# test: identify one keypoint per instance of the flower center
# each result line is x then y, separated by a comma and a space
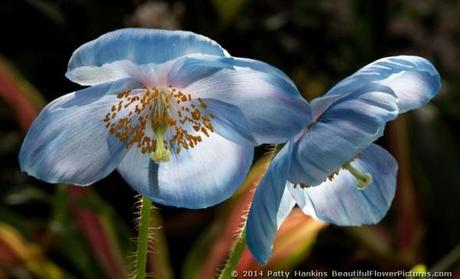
159, 121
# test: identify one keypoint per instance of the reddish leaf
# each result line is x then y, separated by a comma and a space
291, 246
26, 101
409, 222
239, 207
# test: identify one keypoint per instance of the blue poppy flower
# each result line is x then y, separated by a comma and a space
172, 111
331, 169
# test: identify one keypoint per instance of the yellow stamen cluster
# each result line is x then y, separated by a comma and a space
167, 115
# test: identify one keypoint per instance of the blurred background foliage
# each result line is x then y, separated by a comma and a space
56, 231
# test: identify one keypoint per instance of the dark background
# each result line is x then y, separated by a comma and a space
317, 43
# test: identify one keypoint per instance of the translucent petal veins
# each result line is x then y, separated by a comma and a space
151, 115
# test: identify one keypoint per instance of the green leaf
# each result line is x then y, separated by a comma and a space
50, 9
29, 254
193, 264
70, 241
228, 9
30, 193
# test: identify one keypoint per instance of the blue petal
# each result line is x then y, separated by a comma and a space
256, 88
271, 205
194, 67
69, 143
102, 56
229, 122
199, 177
414, 80
340, 202
344, 126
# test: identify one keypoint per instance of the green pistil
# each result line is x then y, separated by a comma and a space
160, 115
362, 179
161, 153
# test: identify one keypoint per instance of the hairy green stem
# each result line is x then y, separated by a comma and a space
235, 255
143, 238
229, 270
240, 242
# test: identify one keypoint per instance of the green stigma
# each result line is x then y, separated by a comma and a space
363, 179
161, 153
